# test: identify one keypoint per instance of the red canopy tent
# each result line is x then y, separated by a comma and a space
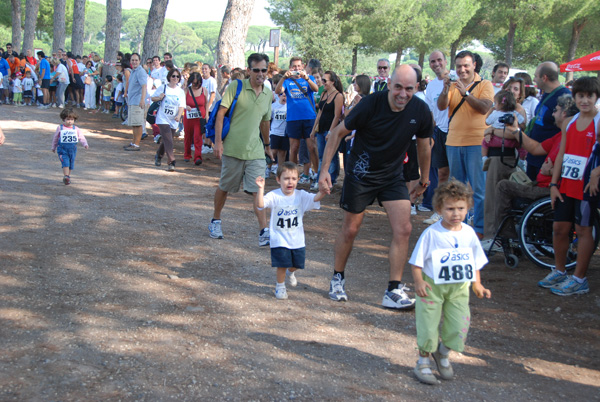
591, 62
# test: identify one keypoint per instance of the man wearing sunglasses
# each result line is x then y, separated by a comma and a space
381, 82
242, 152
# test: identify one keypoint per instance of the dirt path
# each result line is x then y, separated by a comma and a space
111, 289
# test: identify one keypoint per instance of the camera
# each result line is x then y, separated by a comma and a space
508, 119
452, 76
295, 72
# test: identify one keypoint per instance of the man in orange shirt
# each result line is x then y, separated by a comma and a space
468, 99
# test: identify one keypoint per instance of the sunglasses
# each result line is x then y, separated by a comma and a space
382, 67
516, 79
259, 70
176, 76
324, 80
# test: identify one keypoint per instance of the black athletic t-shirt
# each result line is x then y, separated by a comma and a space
383, 136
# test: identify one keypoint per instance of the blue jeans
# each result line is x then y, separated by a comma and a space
334, 167
465, 166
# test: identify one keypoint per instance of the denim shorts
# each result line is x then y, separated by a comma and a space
299, 129
282, 257
66, 154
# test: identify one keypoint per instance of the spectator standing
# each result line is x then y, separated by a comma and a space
381, 82
468, 100
499, 74
542, 126
44, 79
194, 118
136, 101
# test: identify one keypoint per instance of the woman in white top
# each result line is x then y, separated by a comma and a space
531, 101
62, 76
90, 87
172, 105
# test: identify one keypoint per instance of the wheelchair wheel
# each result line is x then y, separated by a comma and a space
511, 261
535, 235
123, 112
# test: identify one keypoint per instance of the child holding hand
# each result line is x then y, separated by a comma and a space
288, 206
446, 259
65, 140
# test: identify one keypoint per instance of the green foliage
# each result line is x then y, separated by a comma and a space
6, 15
95, 20
45, 21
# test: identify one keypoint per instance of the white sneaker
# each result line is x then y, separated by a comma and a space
274, 168
292, 278
281, 293
433, 219
413, 210
267, 173
423, 208
397, 299
486, 244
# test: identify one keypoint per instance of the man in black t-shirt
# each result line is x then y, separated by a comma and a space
384, 122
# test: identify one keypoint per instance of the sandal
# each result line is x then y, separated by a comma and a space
446, 372
427, 378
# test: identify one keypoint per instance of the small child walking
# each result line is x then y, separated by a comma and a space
17, 89
106, 93
65, 141
288, 206
118, 96
446, 259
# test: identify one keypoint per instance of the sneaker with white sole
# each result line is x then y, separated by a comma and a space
214, 229
413, 210
554, 278
432, 219
423, 208
314, 186
304, 179
267, 173
274, 168
292, 279
281, 293
397, 299
264, 238
496, 246
336, 288
571, 287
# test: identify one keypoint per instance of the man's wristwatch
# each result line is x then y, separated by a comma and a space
553, 185
467, 93
267, 145
425, 184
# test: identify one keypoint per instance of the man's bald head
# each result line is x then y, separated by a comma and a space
405, 71
549, 69
402, 86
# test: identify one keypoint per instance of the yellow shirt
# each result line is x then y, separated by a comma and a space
467, 125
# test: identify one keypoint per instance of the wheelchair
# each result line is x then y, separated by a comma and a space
532, 220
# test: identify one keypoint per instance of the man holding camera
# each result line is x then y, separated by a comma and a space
468, 99
299, 88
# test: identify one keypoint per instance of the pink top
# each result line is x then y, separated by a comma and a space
56, 136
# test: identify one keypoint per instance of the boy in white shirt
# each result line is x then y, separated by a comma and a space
286, 229
28, 85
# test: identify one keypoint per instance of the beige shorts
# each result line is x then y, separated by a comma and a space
135, 116
234, 171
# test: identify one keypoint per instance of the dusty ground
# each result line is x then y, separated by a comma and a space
111, 289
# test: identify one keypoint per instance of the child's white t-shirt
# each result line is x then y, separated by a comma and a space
119, 92
17, 86
286, 227
27, 84
437, 238
278, 114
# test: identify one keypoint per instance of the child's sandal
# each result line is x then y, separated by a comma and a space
427, 378
446, 372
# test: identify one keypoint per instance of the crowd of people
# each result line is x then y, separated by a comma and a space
447, 146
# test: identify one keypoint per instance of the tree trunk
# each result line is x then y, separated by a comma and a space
16, 25
453, 50
354, 59
399, 55
234, 30
578, 26
112, 33
510, 42
59, 32
31, 11
78, 24
421, 59
154, 28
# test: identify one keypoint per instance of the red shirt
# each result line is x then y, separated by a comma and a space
552, 146
201, 100
579, 145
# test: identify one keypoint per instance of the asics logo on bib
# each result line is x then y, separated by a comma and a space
572, 161
287, 213
454, 257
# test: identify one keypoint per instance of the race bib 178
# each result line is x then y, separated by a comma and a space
573, 167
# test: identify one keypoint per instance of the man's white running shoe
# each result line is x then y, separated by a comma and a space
432, 219
215, 229
413, 210
397, 299
336, 288
495, 247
